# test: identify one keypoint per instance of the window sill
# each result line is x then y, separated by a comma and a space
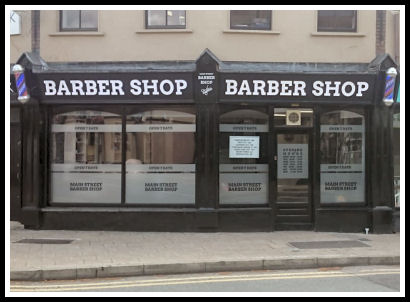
164, 31
251, 31
337, 34
76, 33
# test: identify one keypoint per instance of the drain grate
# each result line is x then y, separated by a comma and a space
328, 244
363, 239
45, 241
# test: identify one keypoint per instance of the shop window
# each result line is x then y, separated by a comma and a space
293, 117
243, 157
165, 19
78, 20
342, 153
86, 157
251, 19
336, 21
160, 157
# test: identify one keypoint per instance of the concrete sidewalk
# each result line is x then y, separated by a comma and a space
93, 254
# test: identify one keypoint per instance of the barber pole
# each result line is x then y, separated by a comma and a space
389, 86
18, 72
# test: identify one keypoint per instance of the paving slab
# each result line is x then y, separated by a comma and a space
92, 254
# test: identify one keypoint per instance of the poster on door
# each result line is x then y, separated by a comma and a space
293, 161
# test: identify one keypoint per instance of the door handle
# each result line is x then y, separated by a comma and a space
275, 157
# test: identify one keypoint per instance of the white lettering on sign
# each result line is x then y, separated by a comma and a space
231, 87
154, 87
335, 88
294, 88
113, 87
91, 87
299, 88
77, 87
88, 87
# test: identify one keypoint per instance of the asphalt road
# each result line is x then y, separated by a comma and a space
332, 279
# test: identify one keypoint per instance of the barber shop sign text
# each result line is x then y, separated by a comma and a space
301, 87
116, 86
295, 88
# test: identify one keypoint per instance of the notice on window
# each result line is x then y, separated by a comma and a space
160, 184
81, 183
293, 161
161, 188
244, 147
342, 187
243, 128
243, 188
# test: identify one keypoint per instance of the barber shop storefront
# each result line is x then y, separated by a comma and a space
204, 146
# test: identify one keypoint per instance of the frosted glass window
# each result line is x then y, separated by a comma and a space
243, 157
342, 153
86, 157
160, 160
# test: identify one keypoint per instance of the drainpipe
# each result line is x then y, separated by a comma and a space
396, 16
35, 34
380, 32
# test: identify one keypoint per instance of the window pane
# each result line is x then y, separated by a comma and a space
250, 19
70, 19
243, 157
342, 152
156, 18
86, 157
341, 20
161, 157
176, 17
89, 19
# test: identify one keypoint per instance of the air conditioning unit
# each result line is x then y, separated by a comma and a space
293, 118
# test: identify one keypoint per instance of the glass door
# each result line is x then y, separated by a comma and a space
293, 177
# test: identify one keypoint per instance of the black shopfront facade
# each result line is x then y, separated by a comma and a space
204, 146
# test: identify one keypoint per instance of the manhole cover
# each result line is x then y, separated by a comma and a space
328, 244
45, 241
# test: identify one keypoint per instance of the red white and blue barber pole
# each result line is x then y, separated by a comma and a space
388, 98
18, 72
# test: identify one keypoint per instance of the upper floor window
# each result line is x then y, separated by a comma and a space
337, 20
78, 20
165, 19
251, 19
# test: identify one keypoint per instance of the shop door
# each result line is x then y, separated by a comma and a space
293, 202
